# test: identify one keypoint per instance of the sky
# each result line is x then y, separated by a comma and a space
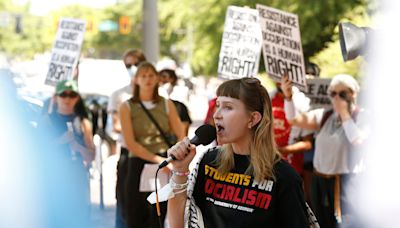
42, 7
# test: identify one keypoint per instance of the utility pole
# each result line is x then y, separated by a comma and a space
151, 40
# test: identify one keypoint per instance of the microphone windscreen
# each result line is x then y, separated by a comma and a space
205, 134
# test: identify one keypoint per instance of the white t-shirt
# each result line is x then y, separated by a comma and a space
334, 153
178, 93
302, 104
116, 99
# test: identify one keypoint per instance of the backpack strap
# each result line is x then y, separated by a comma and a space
325, 117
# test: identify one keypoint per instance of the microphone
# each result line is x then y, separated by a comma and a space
204, 135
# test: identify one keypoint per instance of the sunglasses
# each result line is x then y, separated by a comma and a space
250, 80
69, 95
342, 94
129, 65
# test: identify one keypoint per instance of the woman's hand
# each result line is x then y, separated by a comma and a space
341, 107
184, 153
286, 86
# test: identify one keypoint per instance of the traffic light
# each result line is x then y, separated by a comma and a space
125, 25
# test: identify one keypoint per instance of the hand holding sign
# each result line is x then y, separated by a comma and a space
286, 86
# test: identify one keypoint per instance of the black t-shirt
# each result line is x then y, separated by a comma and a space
182, 112
236, 200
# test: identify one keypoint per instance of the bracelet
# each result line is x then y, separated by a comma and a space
181, 174
180, 191
176, 186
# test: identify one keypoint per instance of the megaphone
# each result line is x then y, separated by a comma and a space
353, 40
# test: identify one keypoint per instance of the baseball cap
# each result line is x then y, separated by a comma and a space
66, 85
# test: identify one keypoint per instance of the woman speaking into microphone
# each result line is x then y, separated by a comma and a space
243, 183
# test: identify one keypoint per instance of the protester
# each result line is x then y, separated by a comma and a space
292, 142
131, 59
70, 122
335, 162
172, 87
70, 134
41, 185
169, 79
244, 183
145, 142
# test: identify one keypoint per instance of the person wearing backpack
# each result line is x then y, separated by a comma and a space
336, 162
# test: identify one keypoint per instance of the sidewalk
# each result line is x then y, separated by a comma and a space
104, 218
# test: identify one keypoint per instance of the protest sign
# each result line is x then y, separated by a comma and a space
241, 44
66, 50
317, 91
282, 50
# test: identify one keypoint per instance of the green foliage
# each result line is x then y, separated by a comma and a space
75, 12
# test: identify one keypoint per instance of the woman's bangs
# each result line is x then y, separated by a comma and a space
229, 89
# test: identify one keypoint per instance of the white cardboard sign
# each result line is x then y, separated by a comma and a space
317, 91
282, 49
241, 44
66, 50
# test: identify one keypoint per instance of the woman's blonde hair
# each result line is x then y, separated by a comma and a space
263, 151
136, 90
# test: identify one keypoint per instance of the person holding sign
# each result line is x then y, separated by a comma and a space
145, 119
292, 141
336, 163
245, 182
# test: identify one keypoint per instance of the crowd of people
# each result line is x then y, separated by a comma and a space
275, 161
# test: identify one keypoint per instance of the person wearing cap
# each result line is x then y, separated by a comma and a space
336, 162
69, 134
71, 116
